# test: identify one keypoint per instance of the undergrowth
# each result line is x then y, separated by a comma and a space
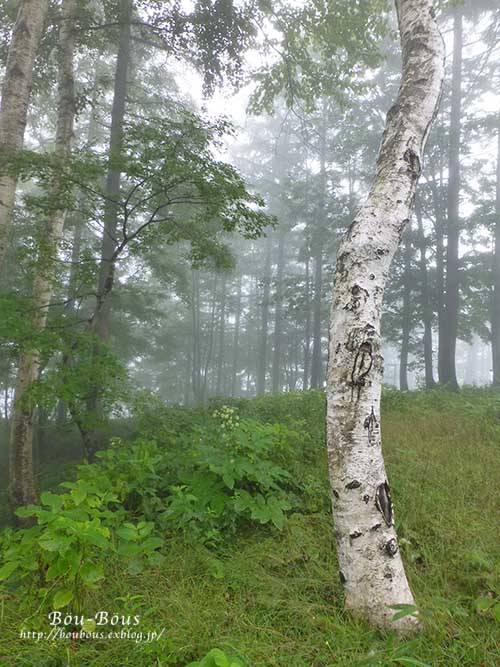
235, 588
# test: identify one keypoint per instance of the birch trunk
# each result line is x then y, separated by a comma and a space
21, 441
15, 100
370, 564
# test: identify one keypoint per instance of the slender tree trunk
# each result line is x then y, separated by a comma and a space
495, 312
109, 240
307, 329
277, 371
370, 563
16, 91
437, 190
221, 337
100, 320
236, 340
426, 303
440, 295
318, 240
196, 356
210, 347
472, 363
21, 441
449, 374
264, 325
76, 248
406, 328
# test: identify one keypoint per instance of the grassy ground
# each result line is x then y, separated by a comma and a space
274, 599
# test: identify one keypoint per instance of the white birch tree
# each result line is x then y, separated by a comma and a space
16, 91
22, 489
371, 568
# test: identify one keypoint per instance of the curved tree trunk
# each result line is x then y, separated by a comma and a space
21, 442
370, 563
15, 100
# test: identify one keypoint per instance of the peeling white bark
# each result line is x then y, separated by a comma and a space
369, 559
15, 99
21, 442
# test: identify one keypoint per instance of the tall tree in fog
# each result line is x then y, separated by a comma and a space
369, 559
447, 351
426, 300
318, 240
16, 90
100, 319
21, 443
495, 306
406, 312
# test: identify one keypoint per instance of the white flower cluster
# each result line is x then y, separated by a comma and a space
227, 416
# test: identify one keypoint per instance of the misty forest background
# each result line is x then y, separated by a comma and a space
220, 150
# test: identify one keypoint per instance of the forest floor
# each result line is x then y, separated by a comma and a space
272, 598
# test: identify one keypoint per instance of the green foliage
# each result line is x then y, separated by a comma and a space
325, 48
217, 658
231, 475
207, 481
173, 187
61, 556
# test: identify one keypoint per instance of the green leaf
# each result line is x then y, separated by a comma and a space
91, 573
496, 612
78, 496
89, 625
152, 543
483, 603
127, 533
218, 657
404, 610
62, 598
59, 567
25, 512
7, 569
51, 500
135, 567
94, 537
54, 542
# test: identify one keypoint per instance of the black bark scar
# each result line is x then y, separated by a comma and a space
413, 161
391, 547
363, 362
384, 503
372, 425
